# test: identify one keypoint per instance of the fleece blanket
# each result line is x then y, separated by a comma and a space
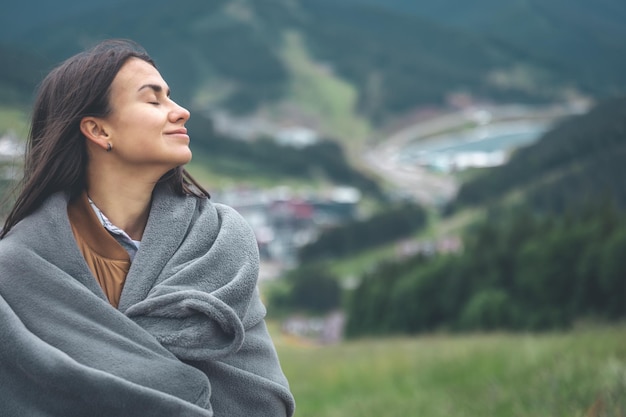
188, 339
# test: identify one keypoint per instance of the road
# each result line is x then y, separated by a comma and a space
417, 182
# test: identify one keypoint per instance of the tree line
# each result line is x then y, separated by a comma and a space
518, 270
388, 225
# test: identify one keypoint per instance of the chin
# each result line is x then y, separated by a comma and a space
182, 159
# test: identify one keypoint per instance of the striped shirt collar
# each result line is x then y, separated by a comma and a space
132, 246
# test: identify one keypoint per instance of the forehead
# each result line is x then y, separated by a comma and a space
134, 74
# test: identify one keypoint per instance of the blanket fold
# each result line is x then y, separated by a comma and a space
191, 324
189, 310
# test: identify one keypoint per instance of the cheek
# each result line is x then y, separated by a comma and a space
139, 127
154, 122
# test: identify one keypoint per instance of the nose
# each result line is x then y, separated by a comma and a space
179, 113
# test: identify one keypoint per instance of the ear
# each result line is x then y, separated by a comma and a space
94, 130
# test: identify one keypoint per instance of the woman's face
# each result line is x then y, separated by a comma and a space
146, 128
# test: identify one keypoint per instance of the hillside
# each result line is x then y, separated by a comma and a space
232, 53
582, 39
578, 162
543, 247
546, 248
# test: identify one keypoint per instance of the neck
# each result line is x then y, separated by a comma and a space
122, 191
125, 203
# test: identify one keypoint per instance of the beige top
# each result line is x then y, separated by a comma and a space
107, 259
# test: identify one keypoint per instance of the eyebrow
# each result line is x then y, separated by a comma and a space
155, 87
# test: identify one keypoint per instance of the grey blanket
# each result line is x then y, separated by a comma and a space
189, 338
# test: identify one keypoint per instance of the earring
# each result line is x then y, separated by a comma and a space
109, 147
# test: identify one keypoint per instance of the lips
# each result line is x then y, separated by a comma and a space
181, 131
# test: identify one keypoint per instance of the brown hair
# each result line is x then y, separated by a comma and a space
56, 150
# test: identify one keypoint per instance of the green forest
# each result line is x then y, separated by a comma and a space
518, 271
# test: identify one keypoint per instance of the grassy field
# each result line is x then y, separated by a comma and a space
577, 373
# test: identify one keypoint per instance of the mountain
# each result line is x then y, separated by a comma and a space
238, 54
584, 40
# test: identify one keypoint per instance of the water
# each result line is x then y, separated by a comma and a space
484, 146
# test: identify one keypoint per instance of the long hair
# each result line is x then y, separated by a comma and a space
56, 150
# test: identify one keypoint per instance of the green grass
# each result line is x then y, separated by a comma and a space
578, 373
318, 91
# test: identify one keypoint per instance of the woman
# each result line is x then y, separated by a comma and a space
123, 289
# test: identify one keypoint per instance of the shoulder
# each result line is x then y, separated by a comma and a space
40, 237
41, 230
230, 221
12, 249
233, 233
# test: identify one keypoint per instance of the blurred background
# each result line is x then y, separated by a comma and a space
437, 188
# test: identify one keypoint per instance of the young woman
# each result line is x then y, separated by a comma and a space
123, 290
